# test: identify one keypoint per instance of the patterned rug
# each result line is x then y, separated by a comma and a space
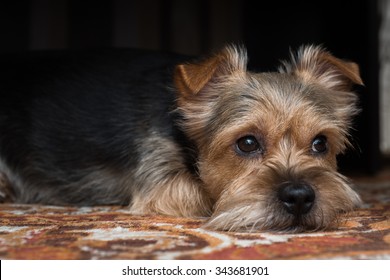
46, 232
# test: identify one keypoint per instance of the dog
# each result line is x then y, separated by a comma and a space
189, 138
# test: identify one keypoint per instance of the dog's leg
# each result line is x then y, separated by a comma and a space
6, 193
164, 184
177, 195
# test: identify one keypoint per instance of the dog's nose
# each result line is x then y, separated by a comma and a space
297, 198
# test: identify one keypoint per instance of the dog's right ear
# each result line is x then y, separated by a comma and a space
190, 79
314, 64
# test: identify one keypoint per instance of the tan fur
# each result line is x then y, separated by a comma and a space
191, 78
221, 101
247, 151
6, 194
164, 185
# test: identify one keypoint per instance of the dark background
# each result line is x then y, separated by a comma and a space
349, 29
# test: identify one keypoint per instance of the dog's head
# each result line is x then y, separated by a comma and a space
268, 142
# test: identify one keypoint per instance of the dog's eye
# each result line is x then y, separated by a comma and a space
248, 145
319, 145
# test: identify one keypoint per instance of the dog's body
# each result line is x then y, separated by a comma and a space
194, 140
76, 127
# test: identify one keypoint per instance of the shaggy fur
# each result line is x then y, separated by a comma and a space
203, 139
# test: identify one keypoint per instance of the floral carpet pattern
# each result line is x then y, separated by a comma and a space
47, 232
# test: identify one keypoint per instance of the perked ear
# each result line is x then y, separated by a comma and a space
190, 79
315, 65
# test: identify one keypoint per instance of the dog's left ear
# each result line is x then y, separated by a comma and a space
190, 79
315, 65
